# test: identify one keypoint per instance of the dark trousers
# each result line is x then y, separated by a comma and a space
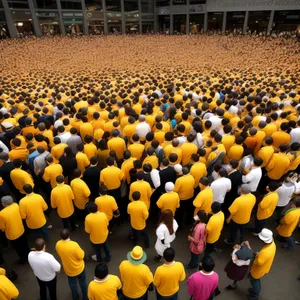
160, 297
185, 212
80, 213
255, 288
279, 213
50, 285
209, 248
70, 221
136, 236
81, 278
40, 232
106, 249
194, 262
21, 246
144, 297
234, 228
260, 224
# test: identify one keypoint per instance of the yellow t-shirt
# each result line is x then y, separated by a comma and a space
138, 214
90, 150
152, 160
81, 192
58, 150
267, 206
203, 200
111, 177
62, 198
136, 150
145, 190
184, 186
277, 166
82, 161
19, 178
118, 145
51, 172
107, 204
280, 137
167, 278
263, 261
169, 200
129, 131
235, 152
32, 209
86, 129
198, 170
241, 208
96, 225
105, 289
170, 149
265, 153
11, 222
289, 222
127, 165
214, 227
187, 150
136, 279
8, 290
71, 256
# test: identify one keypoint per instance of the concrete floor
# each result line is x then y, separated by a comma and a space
280, 283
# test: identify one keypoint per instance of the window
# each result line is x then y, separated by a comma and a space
196, 23
179, 2
46, 4
197, 1
162, 2
18, 3
215, 21
131, 5
258, 21
70, 4
286, 20
235, 21
113, 5
148, 6
179, 24
94, 5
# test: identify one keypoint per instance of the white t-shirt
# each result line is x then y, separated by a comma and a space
295, 135
220, 187
44, 265
285, 193
142, 129
253, 178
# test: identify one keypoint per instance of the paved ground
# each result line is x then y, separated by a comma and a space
281, 283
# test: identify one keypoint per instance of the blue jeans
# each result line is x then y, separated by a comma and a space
137, 233
106, 249
40, 232
256, 288
290, 242
195, 260
172, 297
234, 228
73, 286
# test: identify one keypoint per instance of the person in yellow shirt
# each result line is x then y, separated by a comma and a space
204, 199
281, 137
236, 151
58, 149
143, 187
11, 223
105, 286
8, 290
62, 198
138, 213
117, 144
32, 208
129, 129
169, 200
289, 223
174, 148
168, 276
136, 277
127, 165
96, 225
81, 158
214, 228
19, 151
266, 207
89, 149
266, 152
188, 149
136, 148
108, 205
151, 158
19, 178
240, 213
198, 170
52, 171
262, 263
86, 128
184, 186
72, 258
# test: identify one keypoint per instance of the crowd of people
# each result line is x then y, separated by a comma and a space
159, 132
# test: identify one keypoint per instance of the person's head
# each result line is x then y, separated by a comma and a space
92, 207
101, 271
201, 217
245, 189
110, 161
167, 218
140, 175
60, 179
77, 173
175, 143
17, 163
234, 163
65, 234
266, 235
27, 188
284, 148
80, 147
258, 161
296, 202
169, 187
268, 140
103, 190
7, 201
216, 207
93, 161
185, 170
127, 154
136, 196
272, 186
207, 264
203, 183
222, 172
173, 157
169, 255
39, 244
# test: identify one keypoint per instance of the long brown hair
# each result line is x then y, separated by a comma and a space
167, 218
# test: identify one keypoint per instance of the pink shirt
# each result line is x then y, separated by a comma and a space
201, 285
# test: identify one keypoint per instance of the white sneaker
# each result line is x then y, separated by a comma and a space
94, 257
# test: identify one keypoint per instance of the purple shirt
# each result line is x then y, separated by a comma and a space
201, 285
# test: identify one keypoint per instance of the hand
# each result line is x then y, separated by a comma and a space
190, 239
228, 220
246, 243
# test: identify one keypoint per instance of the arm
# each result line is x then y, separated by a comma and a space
55, 265
79, 253
53, 200
264, 203
155, 179
87, 227
44, 205
156, 280
191, 286
247, 178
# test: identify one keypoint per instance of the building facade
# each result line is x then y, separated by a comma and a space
76, 17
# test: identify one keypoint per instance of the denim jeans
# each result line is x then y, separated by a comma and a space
256, 288
259, 225
81, 278
106, 249
234, 228
290, 242
209, 248
136, 235
70, 220
40, 232
172, 297
195, 260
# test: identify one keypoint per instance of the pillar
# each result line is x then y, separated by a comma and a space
104, 16
187, 29
85, 21
140, 15
123, 17
9, 20
205, 21
60, 18
224, 21
246, 22
35, 22
270, 25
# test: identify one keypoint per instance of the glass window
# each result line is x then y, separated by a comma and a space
162, 2
196, 23
235, 21
1, 5
147, 27
197, 1
164, 24
179, 2
96, 27
94, 5
131, 5
179, 24
49, 23
114, 25
113, 5
70, 4
73, 26
286, 20
18, 3
47, 4
23, 22
148, 6
3, 26
258, 21
214, 21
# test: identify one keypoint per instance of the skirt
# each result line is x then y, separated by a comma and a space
235, 272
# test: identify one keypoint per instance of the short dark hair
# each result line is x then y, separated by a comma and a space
110, 161
258, 161
39, 244
273, 186
204, 181
92, 207
17, 163
140, 175
136, 195
65, 234
169, 254
208, 264
28, 188
101, 271
216, 207
234, 163
103, 189
60, 179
